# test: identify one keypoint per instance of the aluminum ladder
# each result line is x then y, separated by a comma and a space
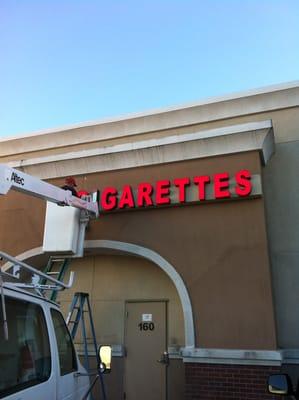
81, 305
57, 267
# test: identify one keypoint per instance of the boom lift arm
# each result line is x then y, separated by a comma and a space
11, 178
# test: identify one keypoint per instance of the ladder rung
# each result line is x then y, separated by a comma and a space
53, 273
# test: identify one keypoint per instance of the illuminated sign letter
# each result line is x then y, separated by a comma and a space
162, 192
221, 185
201, 181
127, 199
109, 198
181, 183
243, 181
145, 191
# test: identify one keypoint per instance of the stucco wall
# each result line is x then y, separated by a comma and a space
219, 249
191, 237
281, 185
112, 280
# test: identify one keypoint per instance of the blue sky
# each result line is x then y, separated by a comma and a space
64, 62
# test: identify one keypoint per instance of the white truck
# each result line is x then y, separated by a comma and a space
38, 360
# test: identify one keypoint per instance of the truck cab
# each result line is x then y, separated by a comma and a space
38, 360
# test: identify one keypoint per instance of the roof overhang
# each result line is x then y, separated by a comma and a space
253, 136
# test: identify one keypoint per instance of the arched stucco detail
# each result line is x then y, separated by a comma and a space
154, 257
166, 267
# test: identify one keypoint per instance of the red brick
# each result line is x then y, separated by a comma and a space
224, 382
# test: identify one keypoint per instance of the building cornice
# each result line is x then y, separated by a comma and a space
253, 136
213, 109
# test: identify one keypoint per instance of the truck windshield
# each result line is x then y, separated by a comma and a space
25, 359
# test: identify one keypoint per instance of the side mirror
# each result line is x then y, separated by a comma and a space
105, 355
280, 384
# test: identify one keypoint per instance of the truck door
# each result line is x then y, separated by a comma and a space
69, 386
25, 358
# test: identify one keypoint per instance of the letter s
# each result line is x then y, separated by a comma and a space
243, 183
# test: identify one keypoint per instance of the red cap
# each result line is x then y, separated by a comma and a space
70, 181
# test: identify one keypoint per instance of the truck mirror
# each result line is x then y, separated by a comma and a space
280, 384
105, 354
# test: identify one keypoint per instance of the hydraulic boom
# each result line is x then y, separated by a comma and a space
11, 178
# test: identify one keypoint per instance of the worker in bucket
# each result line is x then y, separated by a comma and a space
70, 184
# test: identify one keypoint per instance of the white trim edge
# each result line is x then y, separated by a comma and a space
145, 144
253, 136
241, 357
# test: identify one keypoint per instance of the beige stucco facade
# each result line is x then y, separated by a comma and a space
221, 303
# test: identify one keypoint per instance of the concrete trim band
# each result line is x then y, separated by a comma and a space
235, 357
253, 136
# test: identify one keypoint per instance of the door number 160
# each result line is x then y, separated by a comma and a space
146, 326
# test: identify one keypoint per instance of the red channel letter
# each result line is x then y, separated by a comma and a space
221, 185
181, 183
109, 198
126, 199
162, 192
145, 191
201, 181
243, 181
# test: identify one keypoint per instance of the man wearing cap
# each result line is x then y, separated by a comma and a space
70, 184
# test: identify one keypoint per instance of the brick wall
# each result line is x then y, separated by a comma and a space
223, 382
